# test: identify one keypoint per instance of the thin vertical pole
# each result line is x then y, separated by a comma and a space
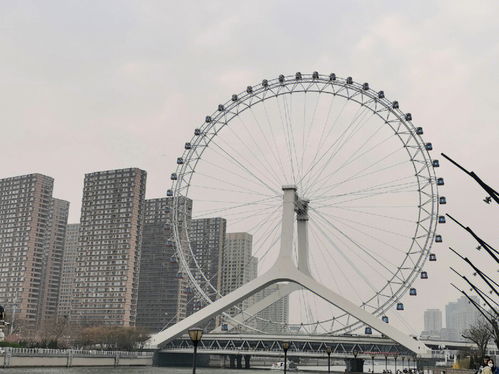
285, 360
329, 363
194, 358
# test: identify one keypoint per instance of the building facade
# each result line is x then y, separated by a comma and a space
29, 264
68, 270
163, 290
459, 316
109, 244
53, 259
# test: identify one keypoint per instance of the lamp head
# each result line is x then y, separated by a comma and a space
196, 333
285, 346
328, 350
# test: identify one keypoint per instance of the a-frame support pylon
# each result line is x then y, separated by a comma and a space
285, 270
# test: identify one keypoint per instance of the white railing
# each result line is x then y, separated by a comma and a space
45, 352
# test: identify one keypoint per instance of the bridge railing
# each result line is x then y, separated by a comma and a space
47, 352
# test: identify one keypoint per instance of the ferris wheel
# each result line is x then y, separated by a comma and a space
358, 161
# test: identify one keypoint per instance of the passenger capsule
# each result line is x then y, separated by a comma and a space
385, 319
433, 257
435, 163
419, 130
180, 160
173, 260
249, 89
413, 292
234, 97
315, 75
281, 78
408, 117
400, 306
424, 275
332, 77
349, 80
298, 76
440, 181
368, 331
179, 275
187, 146
428, 146
381, 95
442, 200
395, 105
438, 238
207, 119
221, 108
365, 86
225, 327
173, 176
197, 132
188, 290
441, 219
169, 193
265, 83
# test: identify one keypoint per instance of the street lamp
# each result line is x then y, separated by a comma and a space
328, 351
195, 333
285, 347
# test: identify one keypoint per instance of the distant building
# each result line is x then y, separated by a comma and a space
459, 316
163, 289
109, 243
30, 247
68, 270
432, 323
239, 267
207, 239
274, 318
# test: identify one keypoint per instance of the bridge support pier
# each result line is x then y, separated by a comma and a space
239, 360
354, 365
232, 359
247, 359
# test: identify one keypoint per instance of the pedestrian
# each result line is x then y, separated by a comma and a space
484, 364
490, 368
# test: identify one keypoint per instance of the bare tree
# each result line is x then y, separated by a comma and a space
479, 333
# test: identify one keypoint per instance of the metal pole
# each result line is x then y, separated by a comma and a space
329, 362
194, 357
285, 360
372, 358
386, 363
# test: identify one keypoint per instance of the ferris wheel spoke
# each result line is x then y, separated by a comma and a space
344, 138
358, 155
246, 192
243, 167
332, 244
237, 206
317, 161
239, 160
284, 125
359, 246
291, 136
267, 166
359, 174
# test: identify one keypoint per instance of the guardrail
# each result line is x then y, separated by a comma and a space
46, 352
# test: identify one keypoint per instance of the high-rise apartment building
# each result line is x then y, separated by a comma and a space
239, 267
109, 241
163, 289
30, 243
432, 323
68, 270
207, 240
459, 316
274, 318
53, 258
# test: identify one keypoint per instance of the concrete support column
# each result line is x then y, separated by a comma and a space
239, 361
232, 359
247, 359
354, 365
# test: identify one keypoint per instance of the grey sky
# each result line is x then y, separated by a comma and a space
90, 86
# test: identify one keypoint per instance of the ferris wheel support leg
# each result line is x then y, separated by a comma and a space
283, 290
322, 291
213, 309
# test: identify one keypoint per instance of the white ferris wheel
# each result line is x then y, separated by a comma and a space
358, 162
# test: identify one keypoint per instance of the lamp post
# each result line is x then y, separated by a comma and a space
328, 351
285, 347
195, 333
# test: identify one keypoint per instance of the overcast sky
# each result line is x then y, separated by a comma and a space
97, 85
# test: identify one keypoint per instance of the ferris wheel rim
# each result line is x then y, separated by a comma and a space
272, 88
